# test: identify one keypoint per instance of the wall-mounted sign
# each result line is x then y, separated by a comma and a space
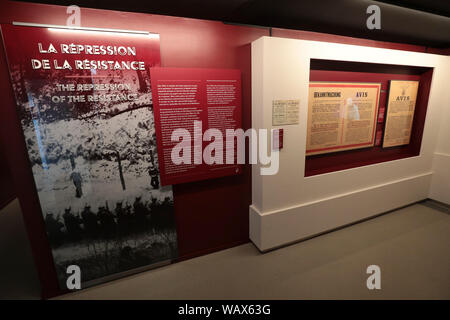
400, 112
86, 110
341, 116
285, 112
194, 111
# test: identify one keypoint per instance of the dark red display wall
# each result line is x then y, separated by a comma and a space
6, 185
325, 70
211, 214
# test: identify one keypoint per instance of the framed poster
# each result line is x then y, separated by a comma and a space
341, 116
197, 101
399, 117
85, 106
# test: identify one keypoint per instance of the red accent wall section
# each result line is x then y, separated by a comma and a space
211, 214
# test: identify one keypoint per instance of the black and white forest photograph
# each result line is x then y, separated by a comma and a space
95, 167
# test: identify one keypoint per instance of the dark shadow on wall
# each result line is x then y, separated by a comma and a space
7, 193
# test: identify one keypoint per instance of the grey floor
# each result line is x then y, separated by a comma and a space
411, 245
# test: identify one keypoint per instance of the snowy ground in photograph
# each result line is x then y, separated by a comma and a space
57, 191
101, 180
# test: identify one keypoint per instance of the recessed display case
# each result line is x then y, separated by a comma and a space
344, 72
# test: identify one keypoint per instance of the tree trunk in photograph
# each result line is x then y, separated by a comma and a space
122, 180
142, 84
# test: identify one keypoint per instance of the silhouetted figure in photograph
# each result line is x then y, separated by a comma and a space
89, 221
128, 211
153, 172
120, 212
129, 216
77, 181
72, 159
122, 219
140, 212
54, 226
72, 224
107, 222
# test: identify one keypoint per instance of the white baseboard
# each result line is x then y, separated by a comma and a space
440, 184
269, 230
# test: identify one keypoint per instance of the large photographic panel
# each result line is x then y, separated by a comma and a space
85, 105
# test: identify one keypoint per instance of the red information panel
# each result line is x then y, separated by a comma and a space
194, 110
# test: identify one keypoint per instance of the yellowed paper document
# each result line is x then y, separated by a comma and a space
341, 116
400, 112
285, 112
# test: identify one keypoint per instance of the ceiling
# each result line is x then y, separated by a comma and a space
421, 22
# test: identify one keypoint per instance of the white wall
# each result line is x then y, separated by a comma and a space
440, 184
288, 206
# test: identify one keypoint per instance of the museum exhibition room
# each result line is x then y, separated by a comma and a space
257, 151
